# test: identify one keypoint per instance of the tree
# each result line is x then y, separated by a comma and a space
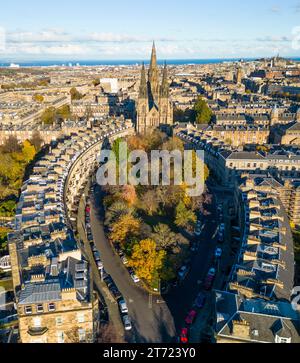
38, 98
129, 194
150, 202
96, 82
11, 145
28, 151
36, 140
163, 236
203, 113
173, 143
75, 94
124, 228
184, 216
116, 210
49, 116
146, 260
64, 112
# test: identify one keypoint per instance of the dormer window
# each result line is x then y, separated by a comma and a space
51, 307
28, 310
279, 339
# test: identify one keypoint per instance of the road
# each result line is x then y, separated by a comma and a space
152, 321
158, 319
180, 299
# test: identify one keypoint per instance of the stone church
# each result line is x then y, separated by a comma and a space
154, 108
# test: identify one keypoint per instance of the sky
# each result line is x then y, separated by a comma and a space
125, 29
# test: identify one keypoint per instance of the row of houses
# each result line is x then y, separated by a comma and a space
256, 304
51, 277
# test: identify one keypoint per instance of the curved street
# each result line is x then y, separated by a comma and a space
158, 319
152, 321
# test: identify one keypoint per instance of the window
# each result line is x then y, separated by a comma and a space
81, 335
28, 310
60, 337
51, 307
37, 322
59, 320
278, 339
39, 308
80, 318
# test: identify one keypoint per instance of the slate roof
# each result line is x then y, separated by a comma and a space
40, 292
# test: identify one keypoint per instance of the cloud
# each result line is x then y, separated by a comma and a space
274, 39
275, 9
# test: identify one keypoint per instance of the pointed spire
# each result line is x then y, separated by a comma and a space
143, 85
165, 83
153, 62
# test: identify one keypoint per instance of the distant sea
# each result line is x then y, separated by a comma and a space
45, 63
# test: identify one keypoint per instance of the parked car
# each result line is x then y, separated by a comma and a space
124, 260
114, 291
218, 252
191, 317
210, 279
200, 300
97, 256
99, 265
184, 336
123, 306
127, 322
135, 278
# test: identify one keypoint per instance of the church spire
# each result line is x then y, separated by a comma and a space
165, 84
143, 85
153, 62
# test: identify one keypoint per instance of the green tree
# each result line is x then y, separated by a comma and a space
184, 216
203, 113
75, 94
49, 116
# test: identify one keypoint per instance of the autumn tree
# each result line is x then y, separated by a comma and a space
49, 116
146, 260
149, 202
163, 236
116, 210
36, 140
28, 151
38, 98
75, 94
125, 227
11, 145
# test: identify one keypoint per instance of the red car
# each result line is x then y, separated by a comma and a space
184, 336
191, 317
210, 279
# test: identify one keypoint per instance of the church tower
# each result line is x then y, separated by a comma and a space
143, 105
154, 107
153, 76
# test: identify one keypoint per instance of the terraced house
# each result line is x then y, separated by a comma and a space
51, 277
